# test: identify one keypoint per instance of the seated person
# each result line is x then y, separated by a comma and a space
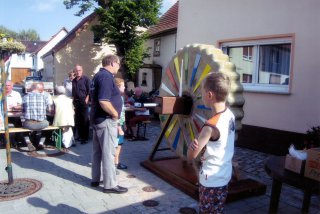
64, 115
140, 114
14, 102
34, 107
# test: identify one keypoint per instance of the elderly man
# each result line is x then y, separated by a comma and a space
14, 99
34, 108
105, 111
14, 102
80, 94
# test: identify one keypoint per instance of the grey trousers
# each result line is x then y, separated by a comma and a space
103, 151
35, 125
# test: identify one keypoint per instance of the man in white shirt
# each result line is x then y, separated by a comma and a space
14, 99
14, 102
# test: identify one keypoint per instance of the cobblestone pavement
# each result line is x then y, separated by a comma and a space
66, 184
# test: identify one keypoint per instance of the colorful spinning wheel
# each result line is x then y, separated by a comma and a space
182, 78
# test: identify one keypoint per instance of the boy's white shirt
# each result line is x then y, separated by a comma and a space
216, 168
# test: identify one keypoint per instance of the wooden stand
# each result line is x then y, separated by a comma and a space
182, 175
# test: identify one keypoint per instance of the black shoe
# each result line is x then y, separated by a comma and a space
95, 184
133, 138
40, 147
83, 142
118, 189
121, 166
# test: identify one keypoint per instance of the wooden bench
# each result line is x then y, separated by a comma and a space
56, 134
143, 127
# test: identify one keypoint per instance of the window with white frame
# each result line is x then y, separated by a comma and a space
263, 65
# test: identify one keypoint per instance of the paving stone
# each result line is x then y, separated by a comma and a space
66, 184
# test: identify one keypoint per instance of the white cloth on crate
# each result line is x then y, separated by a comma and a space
67, 137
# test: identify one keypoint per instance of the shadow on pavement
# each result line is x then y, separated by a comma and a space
43, 165
60, 208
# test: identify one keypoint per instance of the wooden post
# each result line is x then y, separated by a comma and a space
5, 112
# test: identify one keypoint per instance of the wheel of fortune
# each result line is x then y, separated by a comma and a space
182, 78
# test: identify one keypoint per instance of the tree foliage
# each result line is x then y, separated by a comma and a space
23, 35
122, 23
28, 35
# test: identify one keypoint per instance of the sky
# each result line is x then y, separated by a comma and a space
47, 17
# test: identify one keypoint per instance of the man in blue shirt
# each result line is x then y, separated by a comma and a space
106, 105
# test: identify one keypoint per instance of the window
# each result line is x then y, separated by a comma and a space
97, 40
144, 79
156, 50
247, 53
263, 65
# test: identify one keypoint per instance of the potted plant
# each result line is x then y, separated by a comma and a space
312, 139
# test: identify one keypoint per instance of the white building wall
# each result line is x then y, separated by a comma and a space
51, 43
19, 61
167, 50
209, 21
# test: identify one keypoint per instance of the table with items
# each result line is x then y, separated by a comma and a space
275, 167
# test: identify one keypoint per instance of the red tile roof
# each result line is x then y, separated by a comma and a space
168, 22
33, 46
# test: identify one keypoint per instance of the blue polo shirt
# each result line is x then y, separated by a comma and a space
103, 87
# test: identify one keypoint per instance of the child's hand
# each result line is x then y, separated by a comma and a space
194, 145
121, 132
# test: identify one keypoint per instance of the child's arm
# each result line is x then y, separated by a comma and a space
120, 131
198, 144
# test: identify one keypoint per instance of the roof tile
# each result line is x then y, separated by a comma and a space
167, 22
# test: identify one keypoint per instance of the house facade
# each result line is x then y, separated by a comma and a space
78, 47
20, 65
30, 62
275, 47
162, 46
37, 56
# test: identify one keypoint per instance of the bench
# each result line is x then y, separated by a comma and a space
143, 127
56, 134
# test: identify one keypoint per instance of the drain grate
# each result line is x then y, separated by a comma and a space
131, 176
150, 203
149, 189
187, 210
21, 187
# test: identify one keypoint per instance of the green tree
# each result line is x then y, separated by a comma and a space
23, 35
121, 23
28, 35
8, 32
